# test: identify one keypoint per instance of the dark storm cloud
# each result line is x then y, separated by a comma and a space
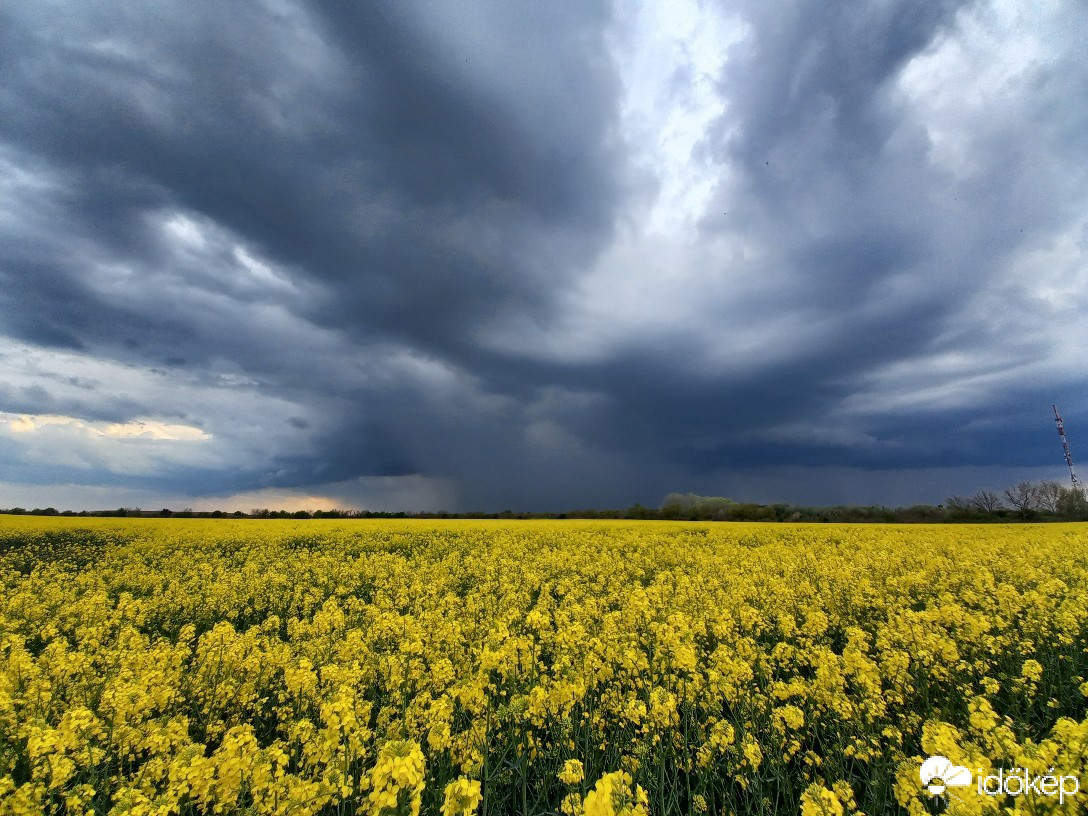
341, 140
810, 61
37, 399
322, 205
416, 183
809, 132
832, 172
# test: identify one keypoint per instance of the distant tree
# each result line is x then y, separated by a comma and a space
678, 505
744, 512
781, 511
1023, 497
919, 513
693, 507
1048, 494
1073, 504
986, 501
716, 508
959, 506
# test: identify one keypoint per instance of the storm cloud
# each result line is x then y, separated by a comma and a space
484, 255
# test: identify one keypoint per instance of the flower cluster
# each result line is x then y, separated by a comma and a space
397, 780
462, 797
616, 795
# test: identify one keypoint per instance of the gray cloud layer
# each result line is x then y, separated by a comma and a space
354, 241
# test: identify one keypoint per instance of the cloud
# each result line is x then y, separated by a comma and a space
136, 447
140, 429
541, 257
390, 494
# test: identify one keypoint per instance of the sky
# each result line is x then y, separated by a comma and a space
539, 256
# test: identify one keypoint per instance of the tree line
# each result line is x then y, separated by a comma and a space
1024, 501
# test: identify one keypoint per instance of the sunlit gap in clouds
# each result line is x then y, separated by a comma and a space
139, 428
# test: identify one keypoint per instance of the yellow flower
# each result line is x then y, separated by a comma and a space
572, 772
613, 795
791, 716
1032, 671
752, 752
819, 801
397, 778
572, 805
462, 797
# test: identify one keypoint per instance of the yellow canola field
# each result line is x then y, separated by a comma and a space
598, 668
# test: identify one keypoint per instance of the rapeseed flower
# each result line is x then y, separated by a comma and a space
572, 772
462, 797
616, 795
180, 666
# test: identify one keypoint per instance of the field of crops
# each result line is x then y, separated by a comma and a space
188, 666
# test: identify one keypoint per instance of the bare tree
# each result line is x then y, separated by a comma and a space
1023, 498
986, 501
1050, 495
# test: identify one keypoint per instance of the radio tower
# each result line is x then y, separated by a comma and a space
1065, 448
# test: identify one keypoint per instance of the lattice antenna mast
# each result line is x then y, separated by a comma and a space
1065, 448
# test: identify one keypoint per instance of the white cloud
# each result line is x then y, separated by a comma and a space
669, 57
137, 419
138, 428
137, 447
975, 77
185, 230
202, 256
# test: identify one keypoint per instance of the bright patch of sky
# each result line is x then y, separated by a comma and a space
669, 58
